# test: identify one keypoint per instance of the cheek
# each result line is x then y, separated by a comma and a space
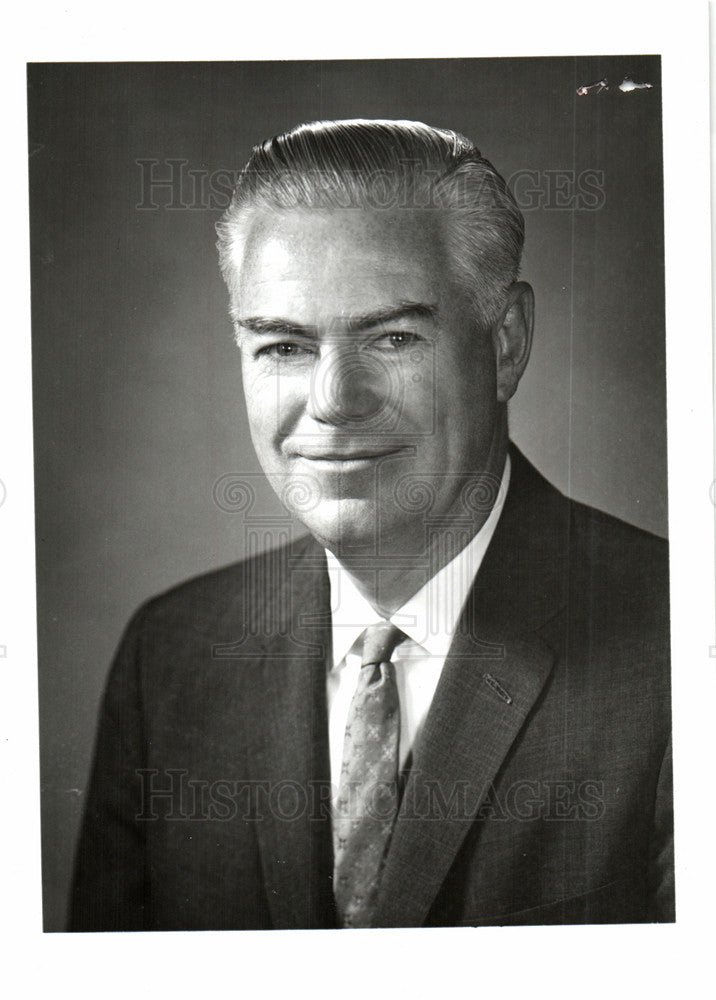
273, 401
464, 392
260, 399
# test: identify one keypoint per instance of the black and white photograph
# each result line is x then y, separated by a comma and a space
503, 755
356, 564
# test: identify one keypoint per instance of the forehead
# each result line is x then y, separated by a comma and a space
315, 265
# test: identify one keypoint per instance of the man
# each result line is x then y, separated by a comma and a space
457, 709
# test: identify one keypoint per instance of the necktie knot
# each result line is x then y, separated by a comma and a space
379, 642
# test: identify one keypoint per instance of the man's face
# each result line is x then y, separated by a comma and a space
370, 391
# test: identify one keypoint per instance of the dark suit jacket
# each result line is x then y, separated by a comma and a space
540, 787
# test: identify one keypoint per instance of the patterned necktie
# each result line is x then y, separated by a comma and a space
368, 788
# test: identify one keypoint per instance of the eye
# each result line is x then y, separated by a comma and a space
283, 350
397, 339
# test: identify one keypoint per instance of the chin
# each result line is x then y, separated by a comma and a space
343, 524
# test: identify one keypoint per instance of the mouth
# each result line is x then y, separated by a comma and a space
345, 460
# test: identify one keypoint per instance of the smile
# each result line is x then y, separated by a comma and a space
345, 460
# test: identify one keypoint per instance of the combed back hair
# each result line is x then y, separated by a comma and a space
385, 166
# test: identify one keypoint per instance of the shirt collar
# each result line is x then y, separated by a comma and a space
431, 615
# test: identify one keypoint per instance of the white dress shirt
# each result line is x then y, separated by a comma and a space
429, 619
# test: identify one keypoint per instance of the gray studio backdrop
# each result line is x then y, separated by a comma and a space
138, 408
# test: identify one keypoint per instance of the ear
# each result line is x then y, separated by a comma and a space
512, 339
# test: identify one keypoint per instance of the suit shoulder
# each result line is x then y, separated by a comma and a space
626, 547
620, 573
208, 595
599, 554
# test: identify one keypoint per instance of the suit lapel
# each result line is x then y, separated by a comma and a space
480, 706
496, 669
288, 750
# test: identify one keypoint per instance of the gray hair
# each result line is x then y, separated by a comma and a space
383, 165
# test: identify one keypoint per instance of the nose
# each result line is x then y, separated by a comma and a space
349, 385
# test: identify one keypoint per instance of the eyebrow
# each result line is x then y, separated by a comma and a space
269, 326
